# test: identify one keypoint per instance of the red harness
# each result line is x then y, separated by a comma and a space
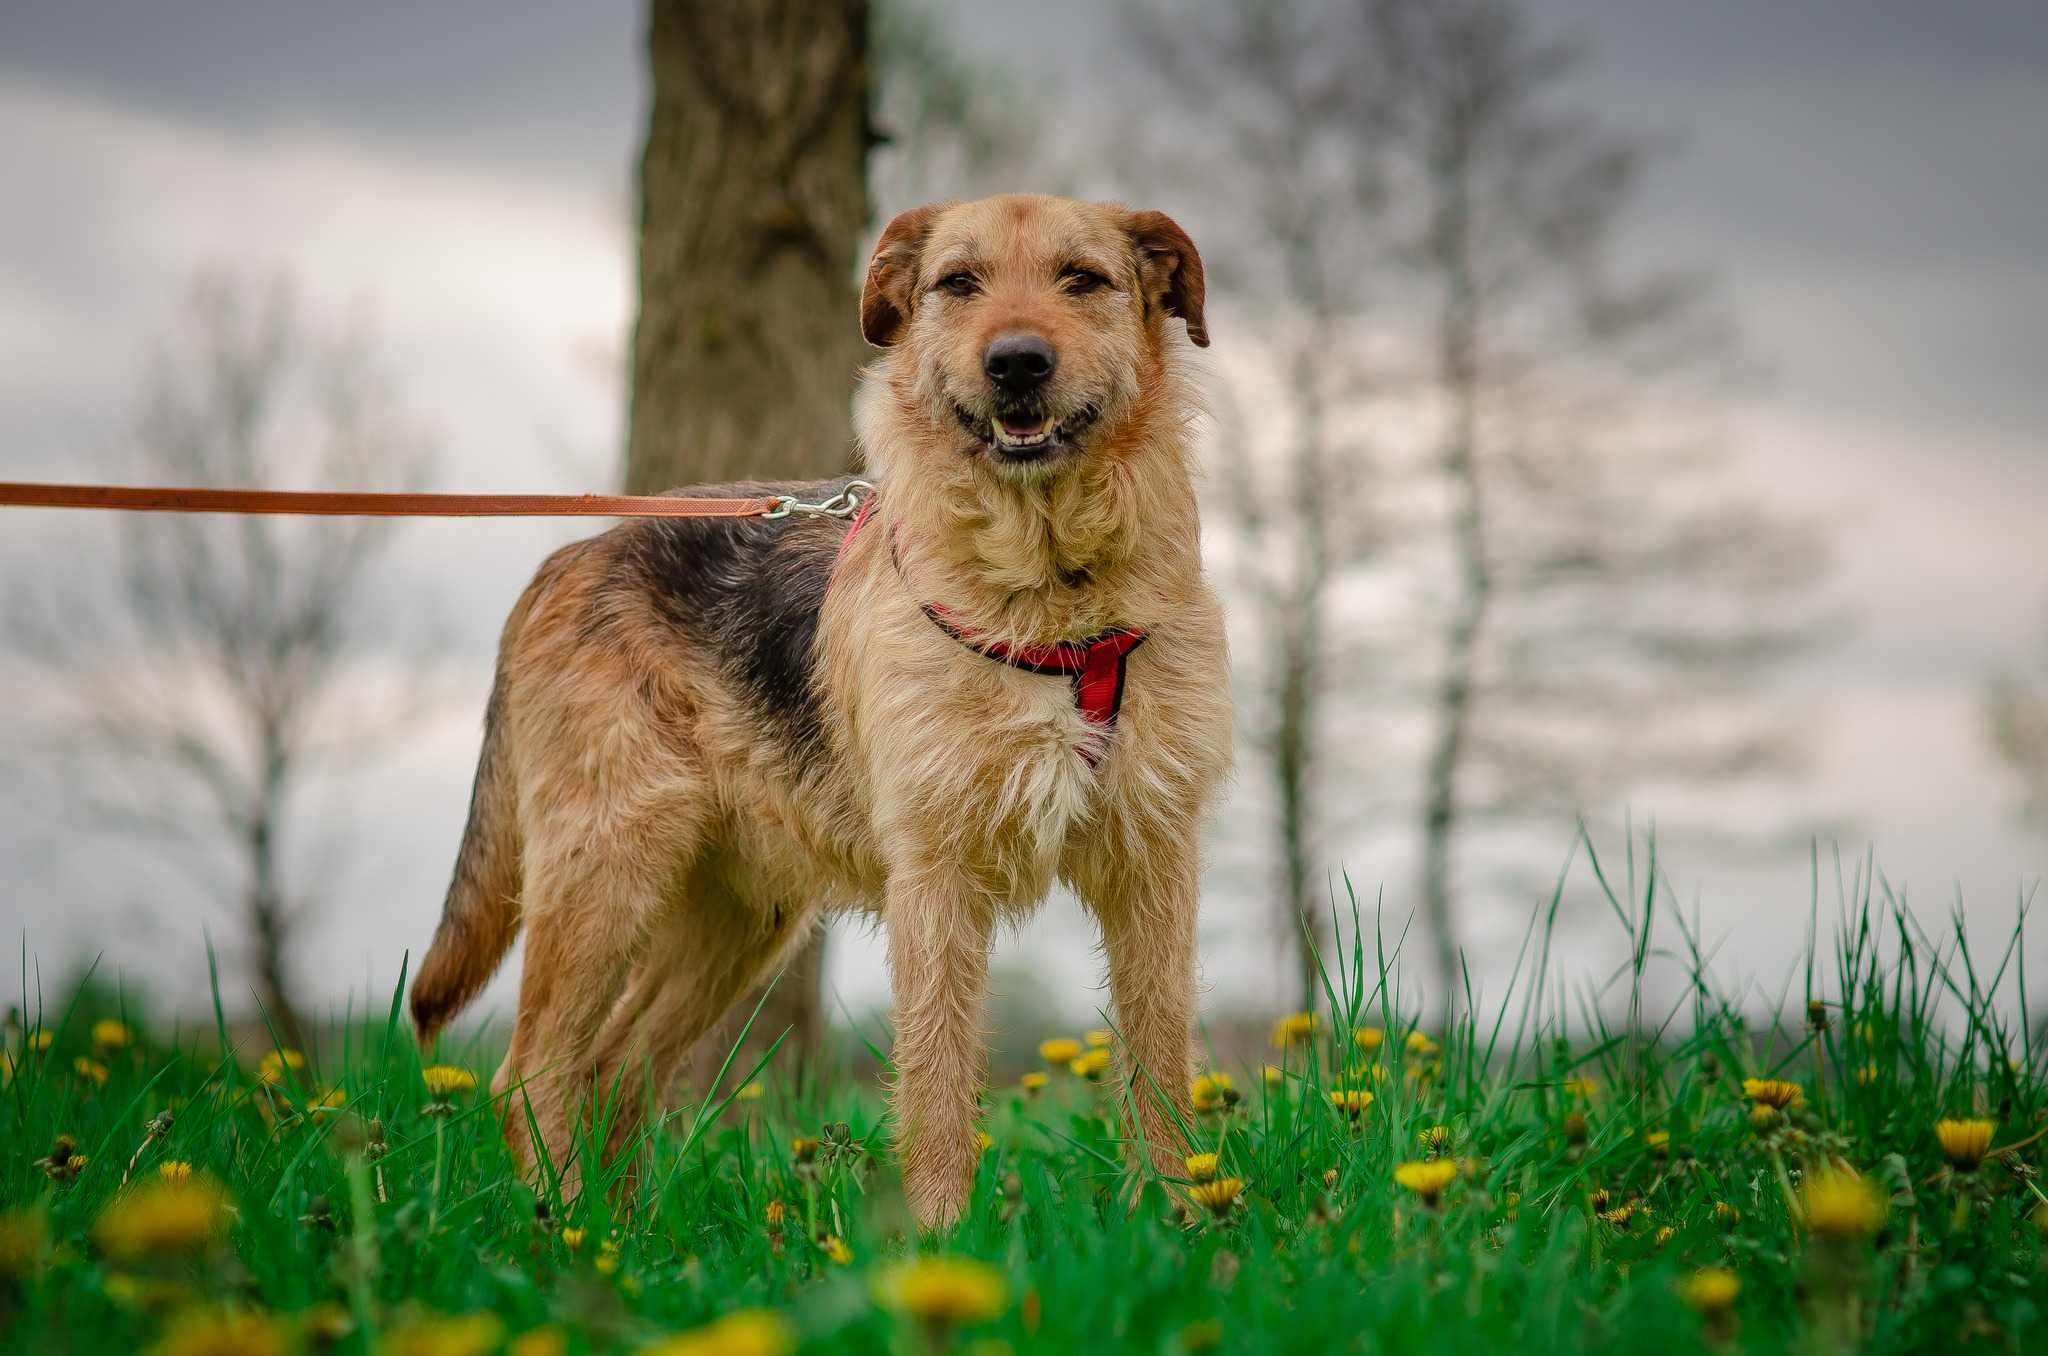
1094, 667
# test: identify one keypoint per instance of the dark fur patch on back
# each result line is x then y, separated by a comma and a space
747, 590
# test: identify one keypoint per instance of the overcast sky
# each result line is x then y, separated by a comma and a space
1868, 180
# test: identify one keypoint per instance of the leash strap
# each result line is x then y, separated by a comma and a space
343, 503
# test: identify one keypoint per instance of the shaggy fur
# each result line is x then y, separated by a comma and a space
706, 732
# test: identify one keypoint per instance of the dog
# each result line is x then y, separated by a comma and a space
1008, 672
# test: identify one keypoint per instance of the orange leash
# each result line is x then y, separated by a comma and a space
165, 499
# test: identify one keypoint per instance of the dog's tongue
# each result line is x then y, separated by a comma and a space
1021, 426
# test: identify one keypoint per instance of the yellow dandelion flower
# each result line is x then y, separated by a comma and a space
1965, 1143
572, 1237
162, 1219
1575, 1127
36, 1042
1762, 1118
1866, 1075
803, 1148
1099, 1038
943, 1292
1351, 1101
444, 1335
983, 1141
1273, 1074
6, 1068
1202, 1167
1619, 1216
607, 1259
1369, 1038
1435, 1138
1727, 1213
277, 1063
1217, 1195
548, 1341
1060, 1051
1419, 1043
222, 1332
744, 1332
834, 1247
1091, 1064
1211, 1090
774, 1213
1427, 1179
1658, 1142
1841, 1205
22, 1233
90, 1069
63, 1163
1711, 1290
750, 1092
1774, 1093
1665, 1235
1581, 1086
111, 1033
325, 1104
446, 1080
1034, 1081
174, 1170
1294, 1029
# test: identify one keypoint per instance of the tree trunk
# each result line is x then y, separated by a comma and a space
753, 201
269, 927
1300, 678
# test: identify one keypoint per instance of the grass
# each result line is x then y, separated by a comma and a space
1596, 1173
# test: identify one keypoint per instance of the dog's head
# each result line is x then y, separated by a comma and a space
1026, 329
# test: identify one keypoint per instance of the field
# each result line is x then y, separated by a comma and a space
1550, 1177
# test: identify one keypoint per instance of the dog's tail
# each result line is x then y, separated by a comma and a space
481, 918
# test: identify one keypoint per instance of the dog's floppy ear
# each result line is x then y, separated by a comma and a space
892, 272
1170, 270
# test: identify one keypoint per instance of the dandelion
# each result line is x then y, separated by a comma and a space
90, 1069
803, 1148
1273, 1075
1034, 1082
21, 1241
1727, 1214
110, 1034
607, 1259
1658, 1142
63, 1163
1369, 1039
1842, 1206
327, 1103
1965, 1143
1581, 1086
774, 1213
943, 1292
983, 1141
1060, 1052
1099, 1038
1710, 1290
1294, 1029
1202, 1167
1575, 1127
222, 1332
750, 1092
572, 1237
1665, 1235
1210, 1091
1218, 1195
1866, 1075
446, 1080
548, 1341
1435, 1139
444, 1335
1091, 1064
162, 1219
834, 1247
1775, 1093
1351, 1101
277, 1064
36, 1042
744, 1332
1426, 1179
174, 1170
1419, 1043
1619, 1216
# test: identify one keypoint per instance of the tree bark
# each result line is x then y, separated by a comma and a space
753, 201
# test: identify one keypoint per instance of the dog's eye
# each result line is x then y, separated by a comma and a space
959, 284
1081, 281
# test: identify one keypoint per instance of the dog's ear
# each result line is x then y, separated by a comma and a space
892, 272
1170, 270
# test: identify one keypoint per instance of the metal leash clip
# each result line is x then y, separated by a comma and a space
841, 505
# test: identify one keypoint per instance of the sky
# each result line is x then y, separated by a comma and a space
1866, 179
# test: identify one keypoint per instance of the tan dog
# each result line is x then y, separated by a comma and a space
704, 732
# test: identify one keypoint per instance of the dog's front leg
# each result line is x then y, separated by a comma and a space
939, 930
1147, 911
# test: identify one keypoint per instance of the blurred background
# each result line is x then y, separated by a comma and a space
1626, 421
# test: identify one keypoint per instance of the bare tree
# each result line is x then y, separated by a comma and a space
2016, 720
1296, 245
1612, 598
221, 666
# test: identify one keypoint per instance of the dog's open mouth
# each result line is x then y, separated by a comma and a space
1023, 435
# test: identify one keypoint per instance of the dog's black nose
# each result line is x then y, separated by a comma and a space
1018, 362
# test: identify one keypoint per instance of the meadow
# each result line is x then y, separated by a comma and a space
1570, 1169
